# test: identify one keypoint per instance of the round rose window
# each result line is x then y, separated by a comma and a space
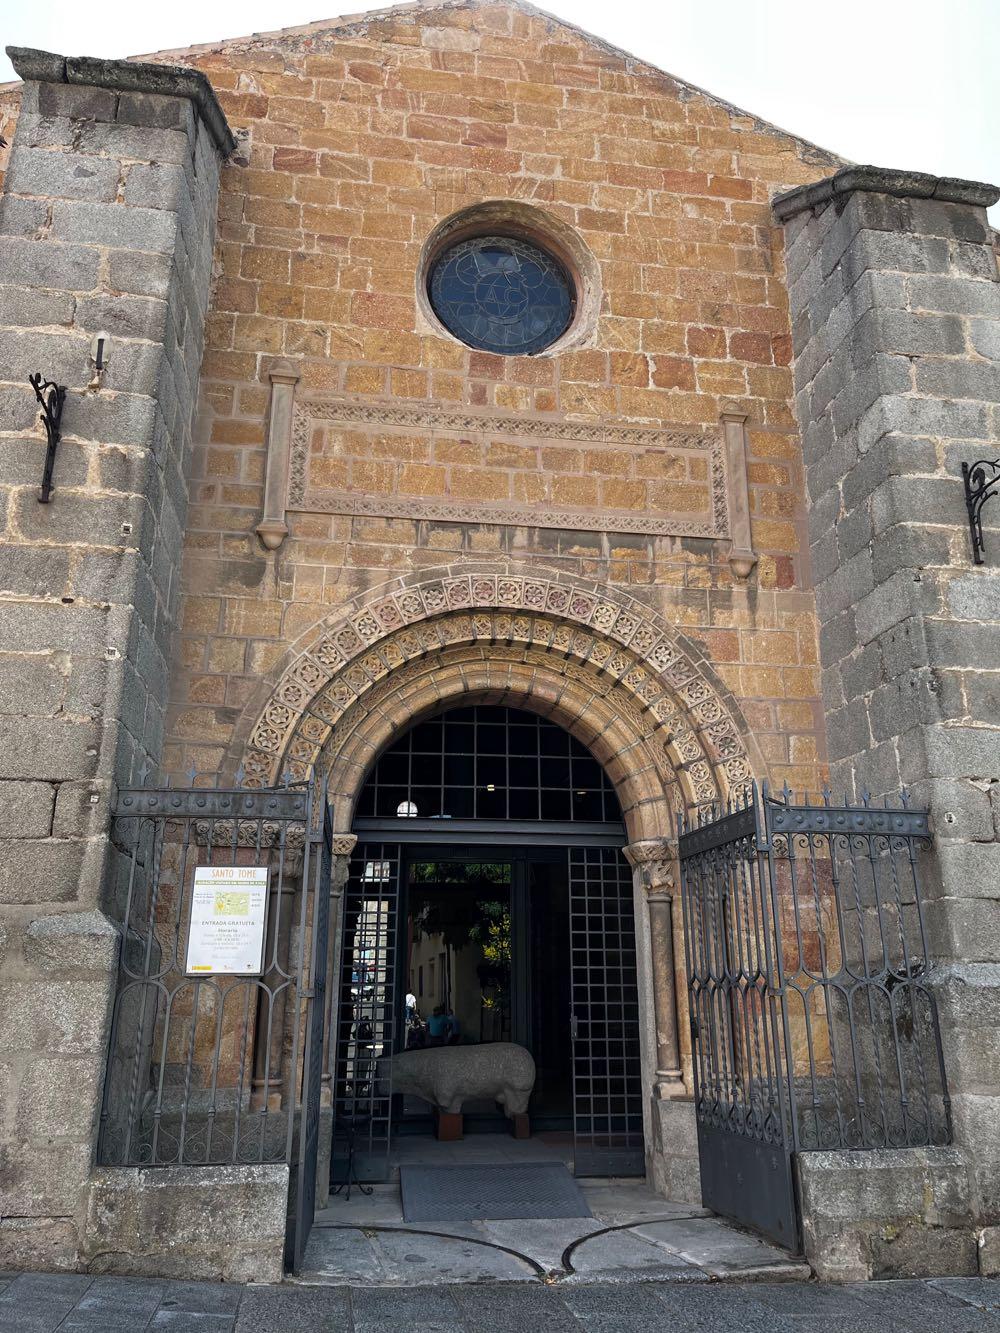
500, 294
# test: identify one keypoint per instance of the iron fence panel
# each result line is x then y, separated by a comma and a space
813, 1019
207, 1068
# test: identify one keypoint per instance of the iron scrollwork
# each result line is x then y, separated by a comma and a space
52, 397
982, 483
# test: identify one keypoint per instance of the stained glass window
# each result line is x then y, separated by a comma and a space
501, 295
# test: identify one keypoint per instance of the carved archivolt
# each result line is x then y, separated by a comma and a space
639, 670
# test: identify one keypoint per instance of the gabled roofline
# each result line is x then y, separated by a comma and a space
353, 23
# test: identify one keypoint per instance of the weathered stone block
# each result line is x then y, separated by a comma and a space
856, 1204
47, 1244
896, 251
989, 1251
73, 941
953, 378
57, 1095
53, 175
35, 1169
921, 1251
32, 682
963, 296
28, 306
65, 1016
975, 596
22, 217
81, 517
115, 225
26, 809
38, 872
156, 110
143, 273
76, 101
40, 571
166, 1222
37, 263
50, 749
156, 185
122, 316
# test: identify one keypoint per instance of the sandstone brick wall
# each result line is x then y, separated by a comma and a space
356, 141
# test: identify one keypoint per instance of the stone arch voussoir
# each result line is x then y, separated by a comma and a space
647, 669
640, 661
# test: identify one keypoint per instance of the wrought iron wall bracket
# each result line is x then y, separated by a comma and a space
982, 483
52, 397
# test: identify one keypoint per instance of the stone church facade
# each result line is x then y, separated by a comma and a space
715, 528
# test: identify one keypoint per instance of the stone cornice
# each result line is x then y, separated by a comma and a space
129, 76
883, 180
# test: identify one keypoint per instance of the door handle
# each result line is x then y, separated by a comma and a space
572, 1026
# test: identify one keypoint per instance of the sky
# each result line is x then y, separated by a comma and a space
897, 83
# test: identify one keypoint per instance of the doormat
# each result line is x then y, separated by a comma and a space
490, 1193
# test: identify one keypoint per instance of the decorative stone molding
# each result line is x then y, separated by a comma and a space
272, 529
709, 448
742, 556
648, 671
655, 862
628, 742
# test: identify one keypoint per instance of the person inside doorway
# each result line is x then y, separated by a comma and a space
440, 1025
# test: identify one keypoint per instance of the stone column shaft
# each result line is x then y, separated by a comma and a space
654, 863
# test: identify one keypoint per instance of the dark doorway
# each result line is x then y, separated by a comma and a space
487, 958
489, 901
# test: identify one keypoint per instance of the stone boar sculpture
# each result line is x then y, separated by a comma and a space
447, 1076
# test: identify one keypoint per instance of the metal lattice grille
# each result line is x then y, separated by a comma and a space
607, 1090
366, 1010
489, 762
212, 1068
812, 1014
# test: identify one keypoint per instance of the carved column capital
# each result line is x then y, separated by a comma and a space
655, 862
343, 846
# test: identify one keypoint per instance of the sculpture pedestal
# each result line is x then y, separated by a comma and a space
449, 1126
520, 1126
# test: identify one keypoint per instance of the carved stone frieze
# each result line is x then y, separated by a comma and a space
714, 522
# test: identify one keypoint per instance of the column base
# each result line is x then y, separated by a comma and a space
669, 1085
672, 1161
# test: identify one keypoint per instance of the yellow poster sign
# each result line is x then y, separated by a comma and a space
228, 913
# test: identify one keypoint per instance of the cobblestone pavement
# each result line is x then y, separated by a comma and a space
42, 1303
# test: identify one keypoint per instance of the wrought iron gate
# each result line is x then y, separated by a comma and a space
813, 1022
366, 1012
607, 1082
210, 1065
